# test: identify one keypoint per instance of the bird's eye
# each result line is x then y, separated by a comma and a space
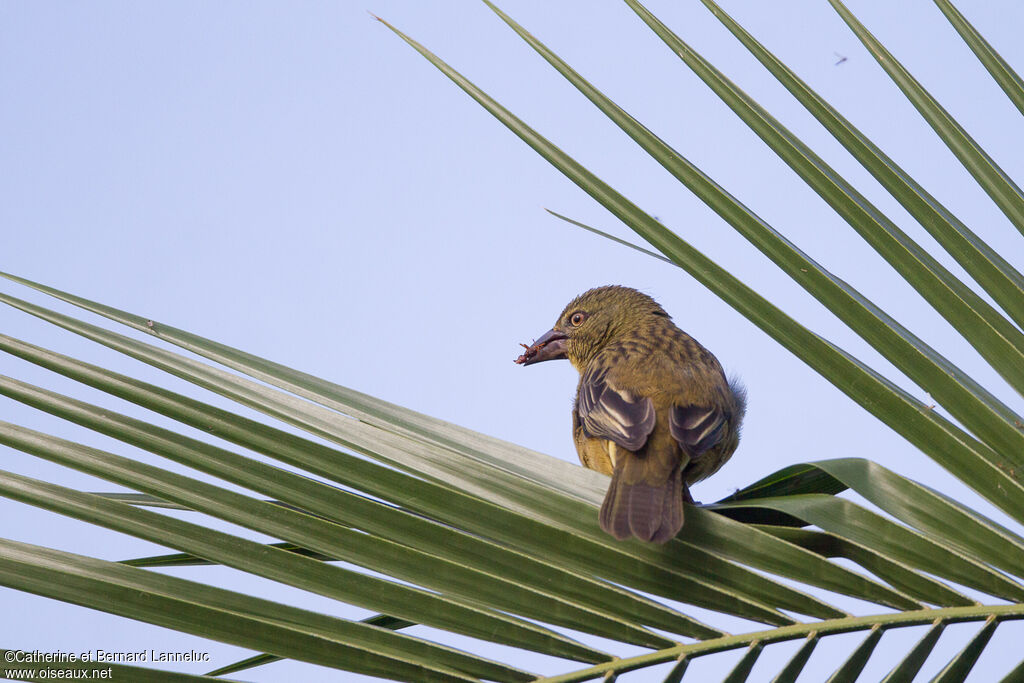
577, 318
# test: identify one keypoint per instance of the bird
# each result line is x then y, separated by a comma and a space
653, 408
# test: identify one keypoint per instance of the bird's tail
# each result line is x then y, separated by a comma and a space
651, 513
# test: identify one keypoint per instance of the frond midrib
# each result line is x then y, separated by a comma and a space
947, 615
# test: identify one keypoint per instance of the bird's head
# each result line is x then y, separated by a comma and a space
590, 322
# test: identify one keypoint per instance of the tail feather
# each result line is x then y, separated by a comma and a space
651, 513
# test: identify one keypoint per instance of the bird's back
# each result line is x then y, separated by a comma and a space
661, 363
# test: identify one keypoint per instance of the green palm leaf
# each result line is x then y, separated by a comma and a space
434, 526
1001, 72
997, 184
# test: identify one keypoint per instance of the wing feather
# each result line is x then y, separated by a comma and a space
614, 414
697, 428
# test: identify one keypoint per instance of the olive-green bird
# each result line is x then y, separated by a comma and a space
653, 408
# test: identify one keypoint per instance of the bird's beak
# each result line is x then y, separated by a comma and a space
550, 346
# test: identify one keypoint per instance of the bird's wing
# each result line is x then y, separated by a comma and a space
697, 428
610, 413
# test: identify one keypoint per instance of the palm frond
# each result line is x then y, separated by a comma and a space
440, 530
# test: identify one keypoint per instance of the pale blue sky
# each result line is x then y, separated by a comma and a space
292, 179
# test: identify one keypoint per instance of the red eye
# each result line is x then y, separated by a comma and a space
577, 318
